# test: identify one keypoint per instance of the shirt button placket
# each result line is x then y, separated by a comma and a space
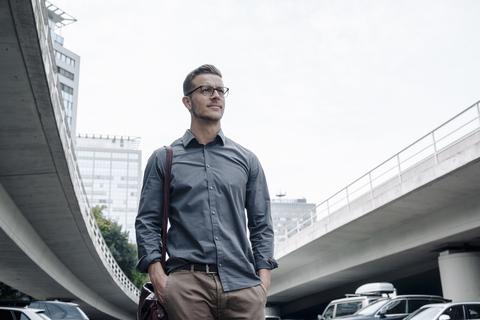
211, 197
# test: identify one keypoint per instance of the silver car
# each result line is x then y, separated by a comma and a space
447, 311
17, 313
57, 310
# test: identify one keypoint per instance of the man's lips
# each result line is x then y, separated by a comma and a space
215, 106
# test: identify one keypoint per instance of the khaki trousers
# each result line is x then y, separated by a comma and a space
198, 295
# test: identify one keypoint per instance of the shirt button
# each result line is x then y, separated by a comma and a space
208, 166
213, 212
216, 238
211, 188
220, 265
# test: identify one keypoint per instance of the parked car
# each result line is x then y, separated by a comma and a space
18, 313
363, 296
60, 310
448, 311
394, 308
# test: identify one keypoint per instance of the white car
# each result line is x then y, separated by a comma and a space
447, 311
16, 313
57, 310
363, 296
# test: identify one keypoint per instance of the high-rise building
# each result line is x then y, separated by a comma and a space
286, 211
68, 64
110, 167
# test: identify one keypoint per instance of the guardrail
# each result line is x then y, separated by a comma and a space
424, 148
60, 117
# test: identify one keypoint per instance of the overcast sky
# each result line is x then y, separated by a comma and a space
321, 91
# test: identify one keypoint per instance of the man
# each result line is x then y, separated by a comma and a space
215, 270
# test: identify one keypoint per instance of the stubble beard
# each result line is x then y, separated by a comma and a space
204, 117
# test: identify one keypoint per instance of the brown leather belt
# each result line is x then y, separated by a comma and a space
208, 268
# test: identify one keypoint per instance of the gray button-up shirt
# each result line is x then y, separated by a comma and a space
211, 186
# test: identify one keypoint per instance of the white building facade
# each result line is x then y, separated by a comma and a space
110, 167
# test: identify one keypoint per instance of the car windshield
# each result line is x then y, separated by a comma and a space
424, 313
371, 308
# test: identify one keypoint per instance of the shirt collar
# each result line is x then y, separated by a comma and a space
188, 137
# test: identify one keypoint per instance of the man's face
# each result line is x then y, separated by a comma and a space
203, 107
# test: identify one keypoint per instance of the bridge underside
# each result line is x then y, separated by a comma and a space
45, 247
396, 233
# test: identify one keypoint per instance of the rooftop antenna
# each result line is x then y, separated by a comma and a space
280, 194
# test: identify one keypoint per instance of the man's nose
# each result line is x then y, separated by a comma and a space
215, 94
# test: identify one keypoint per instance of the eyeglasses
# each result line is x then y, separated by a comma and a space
209, 90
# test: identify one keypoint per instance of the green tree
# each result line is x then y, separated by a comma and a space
124, 253
9, 293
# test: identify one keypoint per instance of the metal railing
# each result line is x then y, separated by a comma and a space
421, 150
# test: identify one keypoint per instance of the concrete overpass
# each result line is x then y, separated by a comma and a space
50, 246
419, 209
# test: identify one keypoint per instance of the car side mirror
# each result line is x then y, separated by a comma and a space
444, 317
382, 312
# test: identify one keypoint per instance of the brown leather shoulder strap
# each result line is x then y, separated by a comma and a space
166, 203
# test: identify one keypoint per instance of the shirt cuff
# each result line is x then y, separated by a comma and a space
266, 264
145, 261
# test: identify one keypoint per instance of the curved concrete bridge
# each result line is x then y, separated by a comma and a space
50, 245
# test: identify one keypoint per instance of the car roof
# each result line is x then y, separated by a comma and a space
420, 296
59, 302
402, 296
22, 309
355, 299
449, 304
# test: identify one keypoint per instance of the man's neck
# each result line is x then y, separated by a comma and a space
205, 132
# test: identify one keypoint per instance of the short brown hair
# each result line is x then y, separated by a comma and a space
206, 68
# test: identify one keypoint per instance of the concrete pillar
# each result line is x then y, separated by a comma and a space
460, 275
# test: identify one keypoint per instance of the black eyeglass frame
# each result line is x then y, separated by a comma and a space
225, 94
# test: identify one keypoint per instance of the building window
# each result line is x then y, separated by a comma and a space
66, 89
65, 73
120, 155
102, 154
64, 58
67, 95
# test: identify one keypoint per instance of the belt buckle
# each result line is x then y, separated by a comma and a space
207, 269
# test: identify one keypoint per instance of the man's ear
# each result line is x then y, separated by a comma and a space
187, 103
